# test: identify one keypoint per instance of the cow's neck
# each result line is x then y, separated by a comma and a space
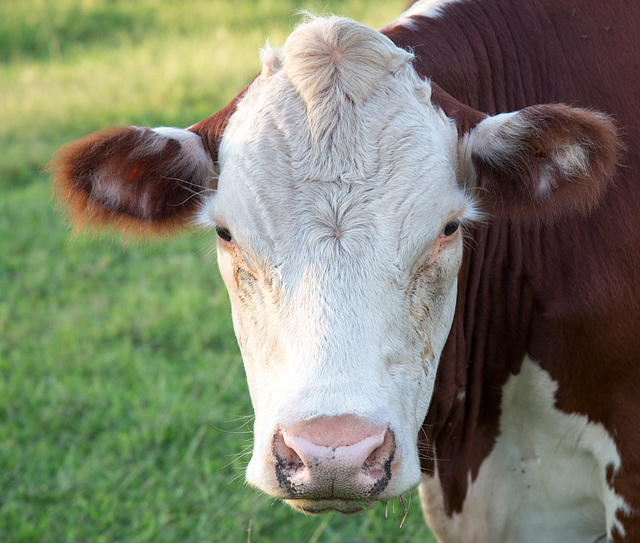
463, 421
501, 55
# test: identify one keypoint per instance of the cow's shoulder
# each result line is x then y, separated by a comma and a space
546, 478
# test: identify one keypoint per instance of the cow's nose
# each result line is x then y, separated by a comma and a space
334, 457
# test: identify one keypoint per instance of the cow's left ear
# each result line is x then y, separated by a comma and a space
542, 161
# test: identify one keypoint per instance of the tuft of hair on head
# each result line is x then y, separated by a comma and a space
270, 60
337, 66
335, 58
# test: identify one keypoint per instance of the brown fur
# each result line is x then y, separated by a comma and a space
564, 291
212, 128
159, 191
154, 197
464, 116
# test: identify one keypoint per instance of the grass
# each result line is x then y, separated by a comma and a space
124, 411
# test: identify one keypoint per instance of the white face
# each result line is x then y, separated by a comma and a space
342, 274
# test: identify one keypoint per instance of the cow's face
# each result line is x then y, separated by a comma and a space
339, 220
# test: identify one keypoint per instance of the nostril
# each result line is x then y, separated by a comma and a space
283, 452
378, 463
384, 453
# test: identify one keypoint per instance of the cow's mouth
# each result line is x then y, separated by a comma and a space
342, 506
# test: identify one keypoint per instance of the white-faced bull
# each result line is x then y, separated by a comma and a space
432, 258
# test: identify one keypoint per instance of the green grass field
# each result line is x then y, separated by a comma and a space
124, 412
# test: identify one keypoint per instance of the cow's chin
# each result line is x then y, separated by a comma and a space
342, 506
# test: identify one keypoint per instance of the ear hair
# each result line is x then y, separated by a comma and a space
544, 161
136, 180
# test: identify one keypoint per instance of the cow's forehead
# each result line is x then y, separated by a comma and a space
405, 187
376, 166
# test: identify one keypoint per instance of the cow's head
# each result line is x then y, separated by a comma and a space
343, 186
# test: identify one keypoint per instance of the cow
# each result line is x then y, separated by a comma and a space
429, 234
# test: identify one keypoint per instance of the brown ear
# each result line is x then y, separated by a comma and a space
543, 161
136, 180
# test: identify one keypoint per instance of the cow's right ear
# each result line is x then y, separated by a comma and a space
138, 181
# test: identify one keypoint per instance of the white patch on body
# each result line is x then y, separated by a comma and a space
545, 480
421, 8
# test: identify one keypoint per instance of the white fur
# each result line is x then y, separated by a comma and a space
545, 479
423, 8
497, 138
336, 189
193, 155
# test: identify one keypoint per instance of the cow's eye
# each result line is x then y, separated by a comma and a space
450, 229
223, 234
